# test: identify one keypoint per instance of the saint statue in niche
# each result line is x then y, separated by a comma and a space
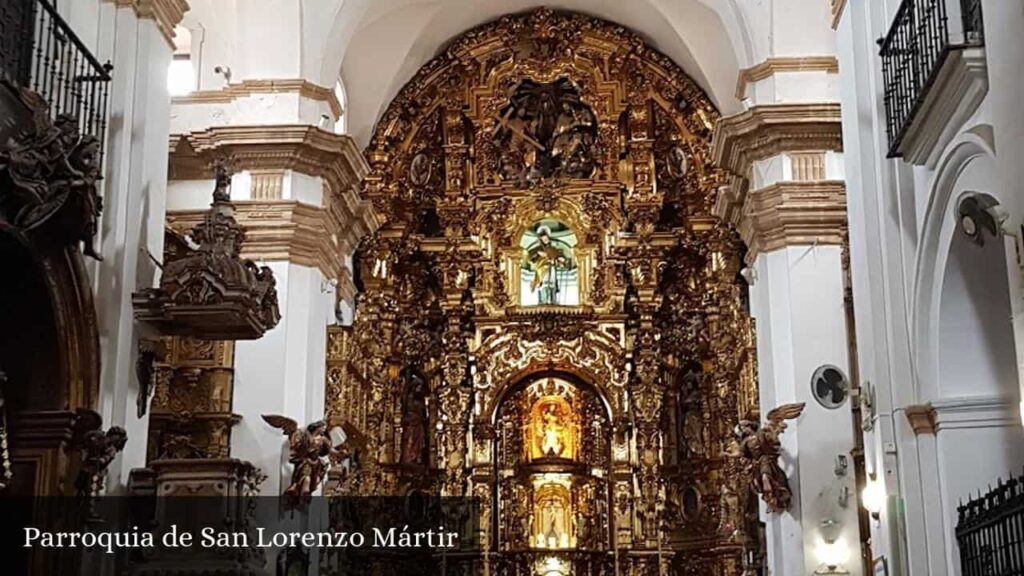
414, 420
554, 430
553, 517
549, 264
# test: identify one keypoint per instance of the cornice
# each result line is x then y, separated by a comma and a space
304, 88
781, 64
302, 148
771, 129
283, 230
793, 214
166, 13
299, 147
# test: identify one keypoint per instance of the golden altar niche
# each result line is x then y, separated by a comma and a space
549, 150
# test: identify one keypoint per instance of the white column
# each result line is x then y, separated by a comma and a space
1004, 52
797, 300
133, 219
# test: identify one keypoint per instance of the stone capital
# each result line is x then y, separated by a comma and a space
921, 418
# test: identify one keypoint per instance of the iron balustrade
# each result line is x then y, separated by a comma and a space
990, 532
913, 52
42, 53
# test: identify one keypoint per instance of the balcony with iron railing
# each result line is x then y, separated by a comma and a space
923, 35
39, 51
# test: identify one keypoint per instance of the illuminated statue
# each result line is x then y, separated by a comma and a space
546, 258
552, 432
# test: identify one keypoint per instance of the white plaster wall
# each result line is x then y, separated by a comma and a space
797, 300
925, 333
133, 190
282, 373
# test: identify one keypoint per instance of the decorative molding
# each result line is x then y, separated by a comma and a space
838, 6
958, 90
299, 147
808, 166
777, 65
975, 412
921, 418
231, 92
267, 184
793, 213
166, 13
285, 230
771, 129
265, 150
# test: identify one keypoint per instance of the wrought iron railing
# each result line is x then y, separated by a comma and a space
41, 52
990, 532
913, 52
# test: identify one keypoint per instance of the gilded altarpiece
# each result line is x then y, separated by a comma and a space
551, 320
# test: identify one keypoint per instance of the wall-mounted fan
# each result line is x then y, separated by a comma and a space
830, 386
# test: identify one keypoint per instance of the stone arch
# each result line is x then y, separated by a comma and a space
49, 351
68, 320
962, 172
577, 375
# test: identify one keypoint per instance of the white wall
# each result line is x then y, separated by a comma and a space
797, 300
933, 312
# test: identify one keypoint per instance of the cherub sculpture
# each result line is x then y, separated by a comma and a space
759, 448
312, 452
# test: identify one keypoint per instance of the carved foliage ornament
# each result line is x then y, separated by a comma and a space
209, 291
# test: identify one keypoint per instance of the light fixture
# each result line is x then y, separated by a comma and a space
831, 550
832, 556
873, 496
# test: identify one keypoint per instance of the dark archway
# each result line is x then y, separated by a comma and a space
49, 351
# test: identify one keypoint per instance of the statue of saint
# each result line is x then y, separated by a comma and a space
414, 421
546, 258
551, 432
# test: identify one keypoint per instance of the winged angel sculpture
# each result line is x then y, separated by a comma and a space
312, 452
759, 448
